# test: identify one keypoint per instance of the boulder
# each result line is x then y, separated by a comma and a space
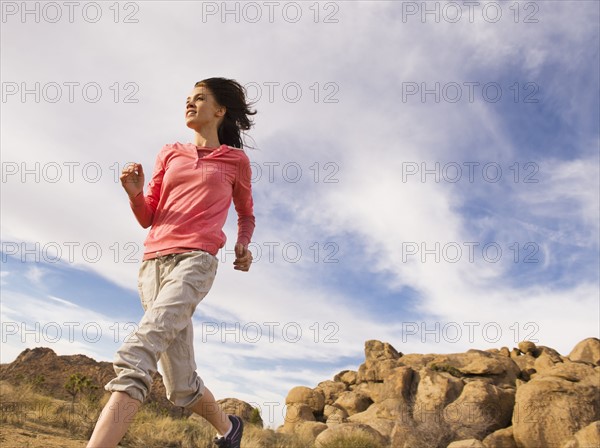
481, 409
379, 351
496, 368
236, 407
586, 351
503, 438
515, 352
588, 437
375, 391
353, 402
556, 357
415, 361
504, 351
314, 398
545, 361
527, 347
391, 409
435, 390
467, 443
349, 430
334, 414
380, 359
525, 362
382, 416
295, 414
375, 371
308, 431
331, 390
399, 383
556, 404
348, 377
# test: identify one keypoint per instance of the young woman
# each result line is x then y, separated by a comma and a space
186, 205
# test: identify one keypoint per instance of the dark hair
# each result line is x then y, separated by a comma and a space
232, 95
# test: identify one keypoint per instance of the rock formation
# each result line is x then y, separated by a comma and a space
527, 397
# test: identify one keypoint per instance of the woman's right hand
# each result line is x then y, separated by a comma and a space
132, 179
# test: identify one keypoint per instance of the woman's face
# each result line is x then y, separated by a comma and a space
201, 109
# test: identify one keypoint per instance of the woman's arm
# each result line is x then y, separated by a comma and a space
244, 206
132, 179
243, 202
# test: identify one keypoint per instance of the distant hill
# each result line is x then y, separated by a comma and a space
49, 372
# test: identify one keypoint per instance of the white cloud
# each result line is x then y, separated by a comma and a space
35, 275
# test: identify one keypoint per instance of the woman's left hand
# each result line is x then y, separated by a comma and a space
243, 258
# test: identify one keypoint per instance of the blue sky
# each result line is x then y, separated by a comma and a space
434, 223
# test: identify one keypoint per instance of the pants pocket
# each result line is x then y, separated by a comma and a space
147, 283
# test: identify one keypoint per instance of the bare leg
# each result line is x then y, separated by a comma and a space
208, 408
114, 420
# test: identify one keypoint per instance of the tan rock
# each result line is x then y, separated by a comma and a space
349, 430
399, 383
311, 397
381, 425
334, 410
515, 353
308, 431
236, 407
542, 349
587, 351
348, 377
481, 409
379, 351
435, 390
588, 437
382, 416
546, 360
556, 404
502, 438
380, 359
527, 347
376, 370
375, 391
415, 361
496, 368
525, 362
295, 414
336, 419
400, 435
467, 443
353, 402
331, 390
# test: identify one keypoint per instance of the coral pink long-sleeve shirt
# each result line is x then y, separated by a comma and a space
188, 198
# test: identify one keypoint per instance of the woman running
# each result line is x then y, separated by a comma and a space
186, 205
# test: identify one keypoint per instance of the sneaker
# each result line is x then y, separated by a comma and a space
234, 438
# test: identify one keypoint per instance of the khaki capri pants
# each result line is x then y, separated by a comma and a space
170, 288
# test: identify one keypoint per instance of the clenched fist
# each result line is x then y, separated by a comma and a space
132, 179
243, 258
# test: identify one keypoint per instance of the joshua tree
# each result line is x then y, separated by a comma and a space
78, 383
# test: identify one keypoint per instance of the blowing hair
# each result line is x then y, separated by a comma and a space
232, 95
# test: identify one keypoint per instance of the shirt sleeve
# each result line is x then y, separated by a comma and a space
144, 207
243, 202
